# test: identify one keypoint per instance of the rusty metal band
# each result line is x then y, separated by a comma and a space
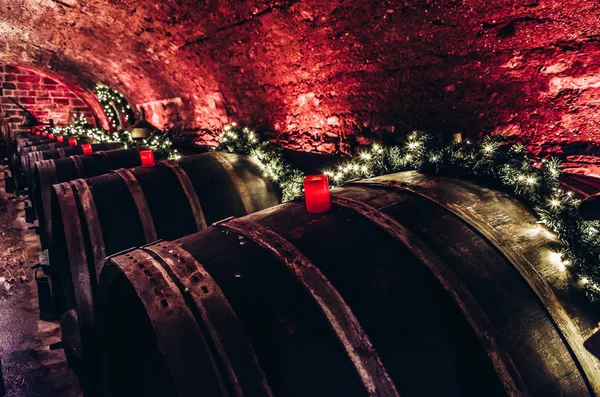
80, 276
240, 186
356, 343
78, 163
140, 202
225, 330
34, 157
28, 161
61, 152
472, 311
190, 193
88, 205
47, 173
179, 337
39, 156
588, 365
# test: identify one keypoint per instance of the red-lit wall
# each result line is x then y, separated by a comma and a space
319, 75
44, 97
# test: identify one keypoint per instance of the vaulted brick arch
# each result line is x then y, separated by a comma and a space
45, 97
319, 74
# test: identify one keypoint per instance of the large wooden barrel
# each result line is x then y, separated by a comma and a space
16, 150
27, 146
25, 141
99, 216
410, 285
57, 152
48, 145
49, 172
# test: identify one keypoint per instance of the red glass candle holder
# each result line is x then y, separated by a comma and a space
37, 133
51, 137
72, 142
147, 157
316, 193
87, 149
44, 134
60, 138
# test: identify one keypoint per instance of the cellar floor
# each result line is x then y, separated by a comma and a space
29, 367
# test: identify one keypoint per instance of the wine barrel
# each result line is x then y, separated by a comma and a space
20, 164
409, 285
62, 152
46, 145
49, 172
26, 141
99, 216
17, 148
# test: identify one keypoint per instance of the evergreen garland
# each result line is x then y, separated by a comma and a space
158, 142
235, 139
500, 164
115, 105
491, 162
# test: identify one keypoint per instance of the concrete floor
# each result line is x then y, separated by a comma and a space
29, 367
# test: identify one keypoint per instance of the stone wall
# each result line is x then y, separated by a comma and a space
42, 96
320, 75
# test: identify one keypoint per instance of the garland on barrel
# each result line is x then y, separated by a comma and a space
491, 161
111, 99
240, 140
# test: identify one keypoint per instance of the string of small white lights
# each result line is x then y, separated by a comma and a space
491, 161
158, 142
114, 103
240, 140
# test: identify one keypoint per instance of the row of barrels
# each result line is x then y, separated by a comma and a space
410, 285
166, 199
24, 150
92, 206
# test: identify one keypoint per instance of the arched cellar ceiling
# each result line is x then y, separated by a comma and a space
315, 72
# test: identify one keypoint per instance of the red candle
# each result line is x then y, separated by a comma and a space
60, 138
37, 133
147, 157
44, 134
87, 149
316, 193
51, 137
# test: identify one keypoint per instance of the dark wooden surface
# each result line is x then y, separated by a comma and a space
222, 191
490, 316
49, 172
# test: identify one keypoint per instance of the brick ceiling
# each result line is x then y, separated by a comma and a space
322, 74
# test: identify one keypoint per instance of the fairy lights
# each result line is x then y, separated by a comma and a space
235, 139
493, 161
115, 105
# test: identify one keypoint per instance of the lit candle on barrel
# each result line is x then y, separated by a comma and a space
51, 137
87, 149
60, 138
316, 193
72, 142
44, 134
147, 157
37, 133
